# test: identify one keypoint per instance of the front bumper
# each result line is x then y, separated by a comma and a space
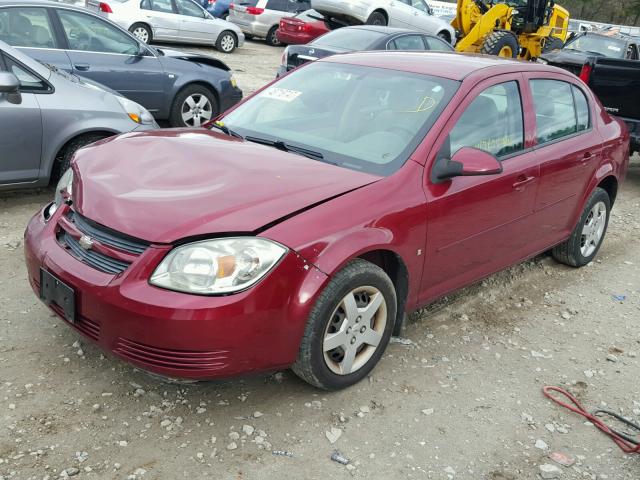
174, 334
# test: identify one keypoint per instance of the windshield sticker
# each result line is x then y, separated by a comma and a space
614, 48
282, 94
426, 103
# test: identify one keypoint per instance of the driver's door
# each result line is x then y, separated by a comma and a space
104, 53
477, 225
196, 25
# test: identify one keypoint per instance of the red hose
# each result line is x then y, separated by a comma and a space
625, 445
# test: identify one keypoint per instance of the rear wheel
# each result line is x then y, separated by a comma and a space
272, 38
501, 43
142, 32
585, 240
377, 18
193, 106
227, 42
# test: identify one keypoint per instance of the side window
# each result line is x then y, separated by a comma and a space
188, 8
29, 82
437, 45
409, 42
145, 4
163, 6
582, 108
91, 34
420, 5
555, 112
279, 5
493, 122
26, 27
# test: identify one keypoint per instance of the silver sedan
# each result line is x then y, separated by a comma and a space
179, 21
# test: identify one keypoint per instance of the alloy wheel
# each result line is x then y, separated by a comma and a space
141, 34
228, 43
355, 330
196, 110
593, 229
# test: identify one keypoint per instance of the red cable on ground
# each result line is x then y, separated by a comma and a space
625, 445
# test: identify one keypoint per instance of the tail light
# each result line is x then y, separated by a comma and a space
307, 27
105, 7
254, 10
585, 73
232, 6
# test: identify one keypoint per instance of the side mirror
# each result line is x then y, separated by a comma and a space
10, 85
467, 162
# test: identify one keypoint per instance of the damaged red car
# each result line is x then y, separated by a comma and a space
300, 228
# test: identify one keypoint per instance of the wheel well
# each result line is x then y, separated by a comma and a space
445, 34
379, 10
610, 185
395, 267
56, 160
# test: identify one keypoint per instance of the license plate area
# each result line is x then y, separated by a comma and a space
54, 292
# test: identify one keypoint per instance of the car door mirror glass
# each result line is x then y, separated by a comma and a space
467, 162
10, 85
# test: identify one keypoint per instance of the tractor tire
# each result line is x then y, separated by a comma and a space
501, 43
552, 43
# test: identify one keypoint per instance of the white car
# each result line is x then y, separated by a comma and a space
179, 21
413, 14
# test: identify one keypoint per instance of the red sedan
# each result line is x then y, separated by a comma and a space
301, 29
300, 229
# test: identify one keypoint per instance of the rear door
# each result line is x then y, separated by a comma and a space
400, 13
195, 24
21, 126
568, 149
102, 52
30, 29
480, 224
162, 16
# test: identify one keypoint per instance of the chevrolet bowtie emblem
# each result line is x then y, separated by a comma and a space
85, 242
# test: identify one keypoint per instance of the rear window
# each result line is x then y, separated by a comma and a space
349, 39
308, 16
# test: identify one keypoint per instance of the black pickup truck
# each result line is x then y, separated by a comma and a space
610, 65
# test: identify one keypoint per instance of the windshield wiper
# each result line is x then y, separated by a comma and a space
226, 130
285, 147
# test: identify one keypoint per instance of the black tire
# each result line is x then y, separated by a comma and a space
227, 42
248, 36
444, 35
499, 39
377, 18
570, 252
272, 38
175, 116
140, 27
311, 365
553, 43
63, 159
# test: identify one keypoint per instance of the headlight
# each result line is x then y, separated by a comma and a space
63, 189
234, 84
217, 266
136, 112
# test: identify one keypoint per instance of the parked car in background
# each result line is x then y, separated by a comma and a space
219, 8
46, 115
177, 21
317, 213
365, 37
301, 29
413, 14
183, 89
261, 18
610, 65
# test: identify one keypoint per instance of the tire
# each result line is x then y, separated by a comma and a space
362, 282
444, 35
377, 18
272, 38
208, 109
142, 32
552, 43
248, 36
63, 160
499, 43
574, 251
227, 42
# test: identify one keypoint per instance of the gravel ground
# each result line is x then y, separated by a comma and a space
460, 398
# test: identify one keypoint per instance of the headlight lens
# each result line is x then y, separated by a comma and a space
217, 266
233, 81
63, 189
136, 112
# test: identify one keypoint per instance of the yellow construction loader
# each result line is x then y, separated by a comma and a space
514, 29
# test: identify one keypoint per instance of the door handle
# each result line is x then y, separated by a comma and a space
83, 67
586, 157
522, 182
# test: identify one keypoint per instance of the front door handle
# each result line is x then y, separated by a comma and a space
522, 182
82, 67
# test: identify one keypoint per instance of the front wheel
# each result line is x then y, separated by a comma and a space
193, 106
501, 43
586, 238
349, 327
226, 42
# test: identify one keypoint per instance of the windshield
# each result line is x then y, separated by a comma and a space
599, 45
348, 39
362, 118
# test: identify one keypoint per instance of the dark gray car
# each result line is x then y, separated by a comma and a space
46, 115
185, 89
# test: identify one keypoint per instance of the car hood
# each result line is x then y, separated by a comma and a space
566, 57
167, 185
167, 54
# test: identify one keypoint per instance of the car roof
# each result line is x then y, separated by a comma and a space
380, 29
44, 3
451, 65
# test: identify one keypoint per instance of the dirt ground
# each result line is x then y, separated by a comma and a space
460, 400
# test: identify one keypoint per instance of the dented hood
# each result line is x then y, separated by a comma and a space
166, 185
